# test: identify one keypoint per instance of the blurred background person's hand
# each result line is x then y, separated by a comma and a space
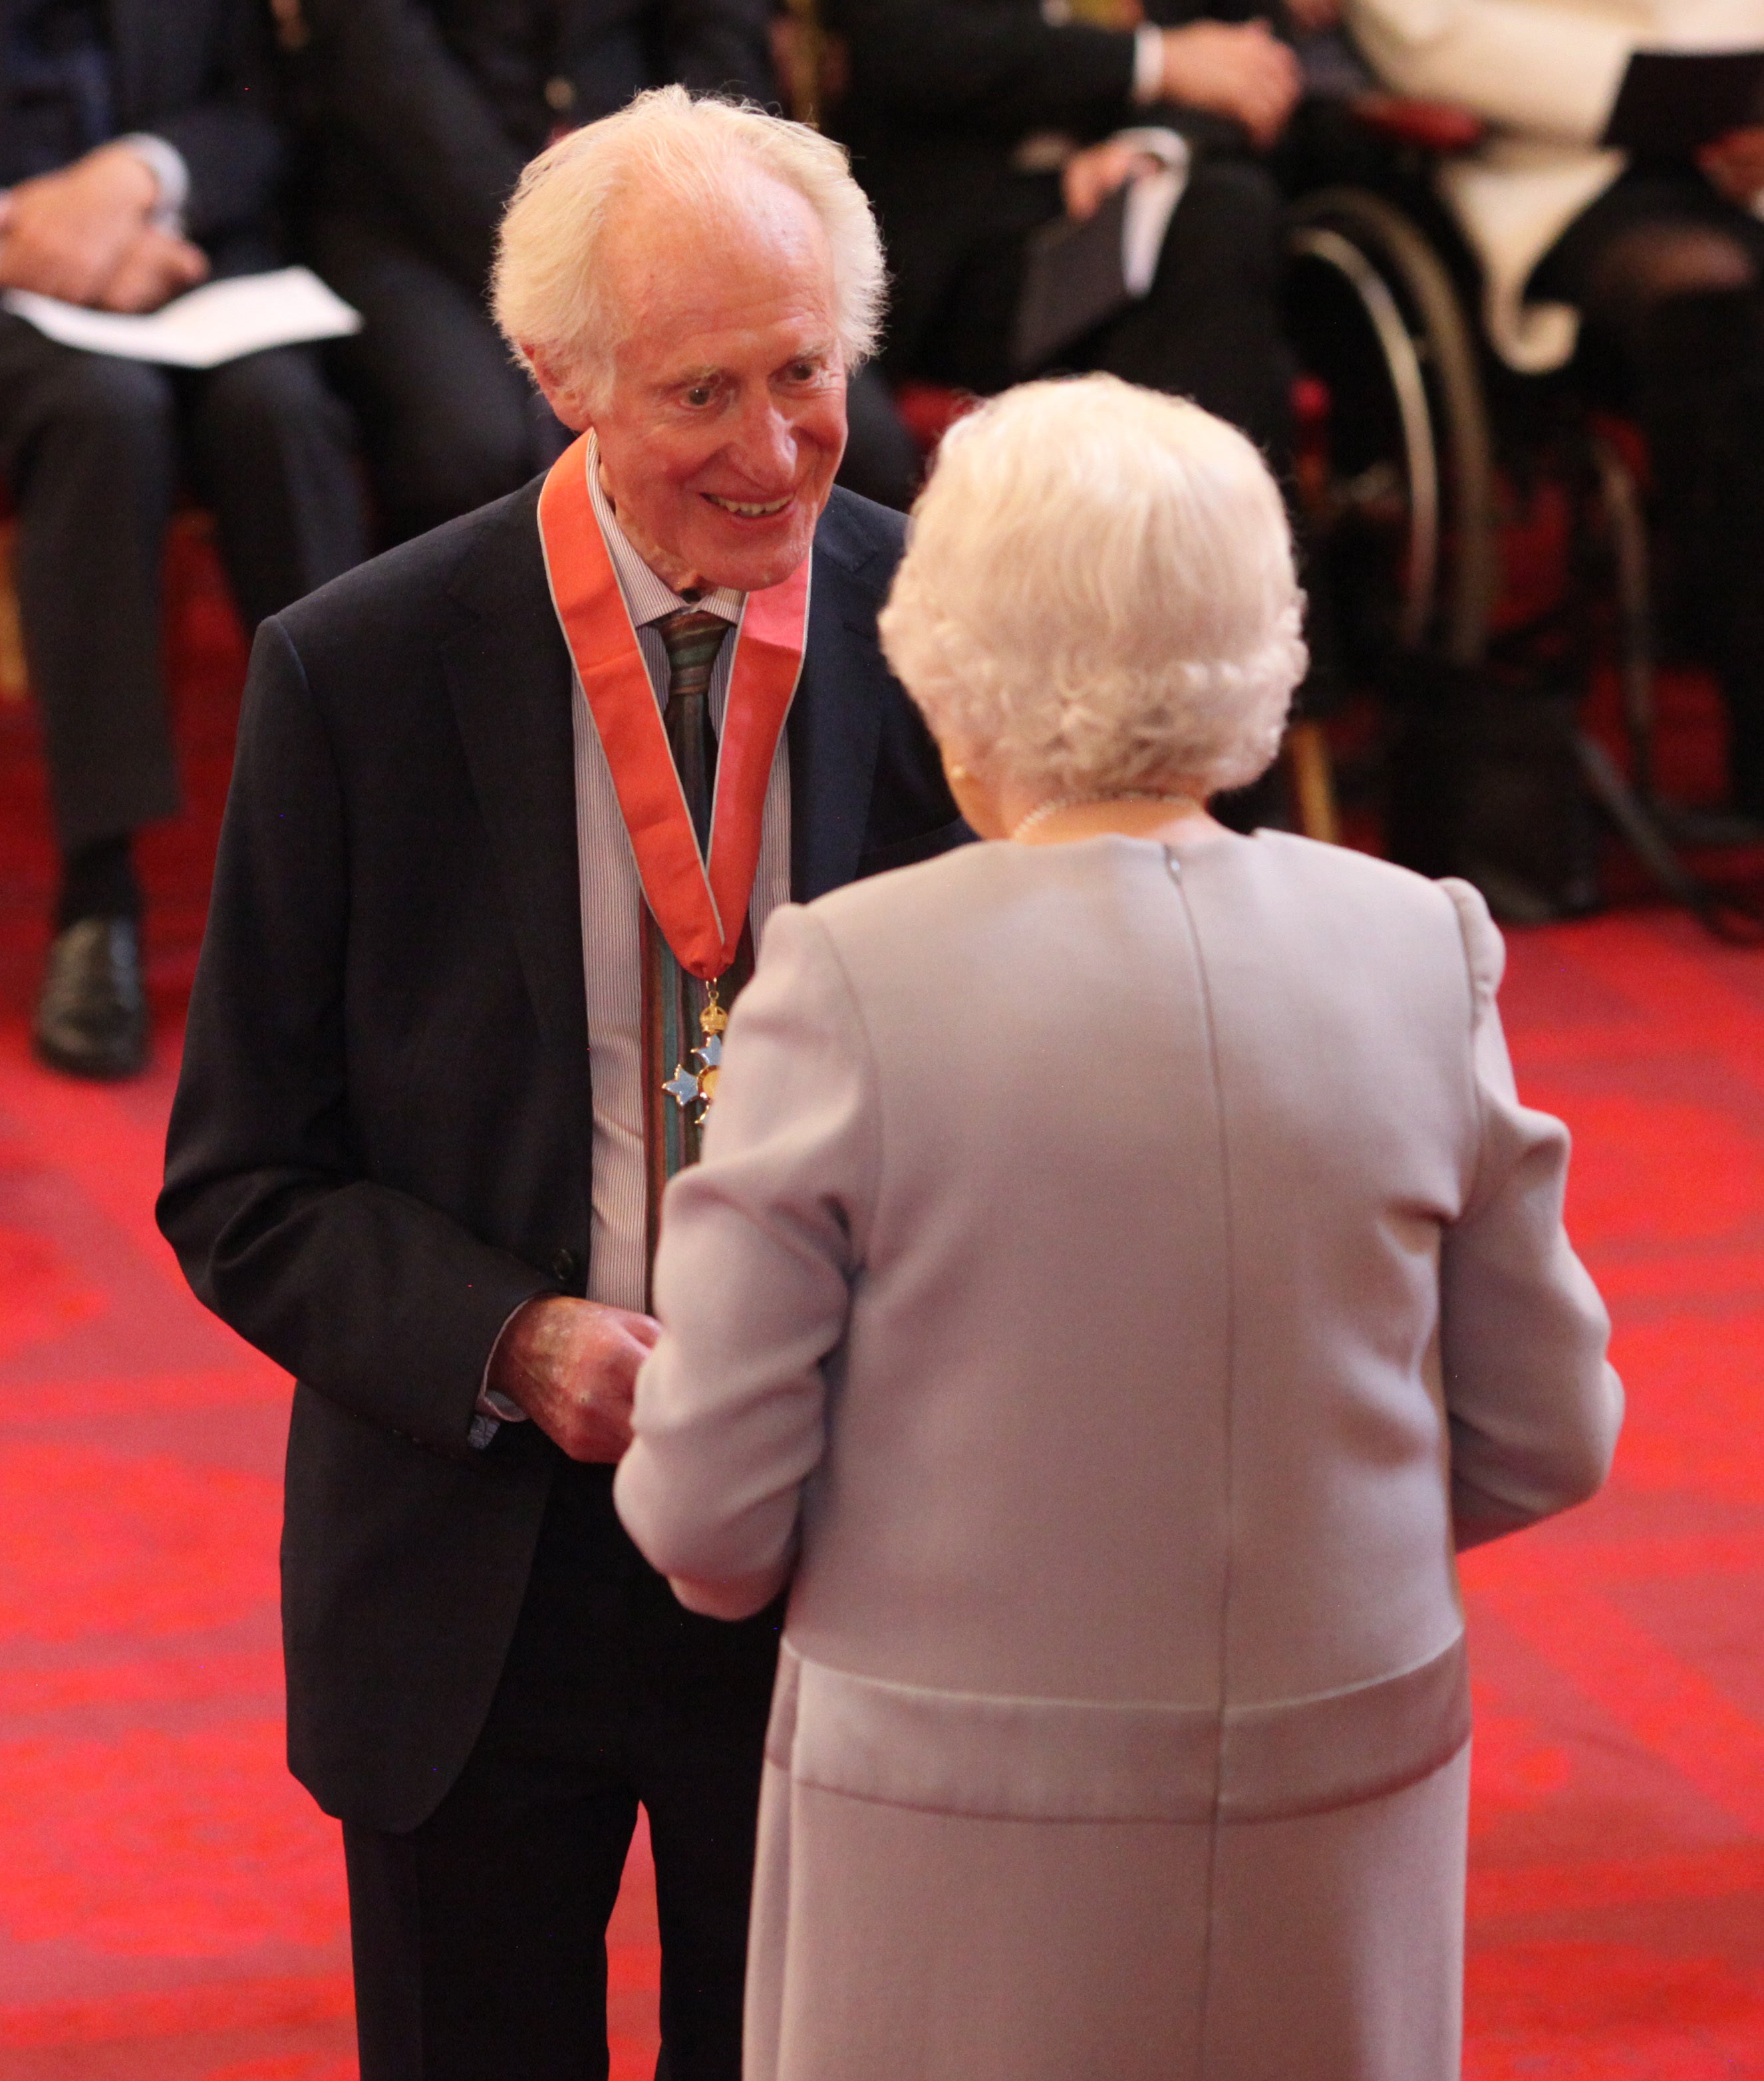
67, 233
1735, 165
1090, 177
1238, 70
157, 267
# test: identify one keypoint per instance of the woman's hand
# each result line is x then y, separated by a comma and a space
1735, 165
1090, 177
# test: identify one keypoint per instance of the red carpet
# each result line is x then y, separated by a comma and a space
170, 1905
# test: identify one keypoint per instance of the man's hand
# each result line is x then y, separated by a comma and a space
1735, 165
1243, 71
1090, 177
156, 267
572, 1366
66, 233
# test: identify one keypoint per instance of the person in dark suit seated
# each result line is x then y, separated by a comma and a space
138, 155
973, 122
456, 1020
422, 113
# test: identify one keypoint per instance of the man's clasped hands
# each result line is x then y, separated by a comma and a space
1242, 70
88, 234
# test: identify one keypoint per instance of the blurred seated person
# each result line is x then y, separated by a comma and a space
973, 122
1650, 271
424, 112
138, 157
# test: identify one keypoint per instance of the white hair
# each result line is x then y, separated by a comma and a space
551, 297
1098, 593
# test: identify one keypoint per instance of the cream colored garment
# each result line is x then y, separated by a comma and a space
1545, 73
1113, 1266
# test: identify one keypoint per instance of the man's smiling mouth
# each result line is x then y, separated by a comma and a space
750, 509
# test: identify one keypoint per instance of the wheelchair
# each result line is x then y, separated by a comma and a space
1410, 439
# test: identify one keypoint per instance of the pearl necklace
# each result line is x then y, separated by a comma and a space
1052, 807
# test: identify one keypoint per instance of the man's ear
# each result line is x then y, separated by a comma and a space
560, 393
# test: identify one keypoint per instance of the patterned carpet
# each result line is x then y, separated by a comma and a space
171, 1906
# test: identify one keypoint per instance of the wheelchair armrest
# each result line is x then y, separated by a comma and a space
1435, 126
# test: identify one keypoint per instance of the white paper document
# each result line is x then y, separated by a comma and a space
218, 323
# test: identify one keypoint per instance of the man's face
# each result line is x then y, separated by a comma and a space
726, 419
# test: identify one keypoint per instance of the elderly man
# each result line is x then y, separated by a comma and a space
511, 804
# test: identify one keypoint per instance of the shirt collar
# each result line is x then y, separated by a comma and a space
648, 597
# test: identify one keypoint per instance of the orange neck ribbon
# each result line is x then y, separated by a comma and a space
700, 906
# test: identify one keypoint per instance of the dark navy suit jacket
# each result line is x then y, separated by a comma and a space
383, 1129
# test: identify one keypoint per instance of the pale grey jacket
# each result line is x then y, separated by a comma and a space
1112, 1276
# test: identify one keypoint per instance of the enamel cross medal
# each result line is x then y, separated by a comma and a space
698, 1087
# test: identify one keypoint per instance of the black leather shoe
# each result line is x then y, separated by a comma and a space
92, 1019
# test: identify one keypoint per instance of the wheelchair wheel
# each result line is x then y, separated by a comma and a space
1399, 488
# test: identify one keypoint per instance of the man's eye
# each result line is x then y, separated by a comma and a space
804, 372
701, 394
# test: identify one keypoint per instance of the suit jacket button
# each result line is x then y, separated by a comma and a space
560, 96
566, 1267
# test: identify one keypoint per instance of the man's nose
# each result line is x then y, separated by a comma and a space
764, 447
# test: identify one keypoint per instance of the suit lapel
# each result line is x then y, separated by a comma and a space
508, 676
836, 722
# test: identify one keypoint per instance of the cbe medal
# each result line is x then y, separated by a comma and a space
689, 1088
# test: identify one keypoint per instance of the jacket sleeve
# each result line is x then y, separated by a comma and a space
383, 1304
1534, 1407
384, 75
994, 67
228, 136
1543, 68
758, 1243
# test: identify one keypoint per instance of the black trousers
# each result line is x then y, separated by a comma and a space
1208, 329
93, 451
479, 1938
1691, 367
449, 422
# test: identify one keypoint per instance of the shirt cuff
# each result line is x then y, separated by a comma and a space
494, 1410
1170, 148
167, 165
1147, 65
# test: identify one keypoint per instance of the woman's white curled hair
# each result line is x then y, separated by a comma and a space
551, 296
1098, 594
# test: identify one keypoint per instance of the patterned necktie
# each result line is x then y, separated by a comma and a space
672, 998
693, 639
